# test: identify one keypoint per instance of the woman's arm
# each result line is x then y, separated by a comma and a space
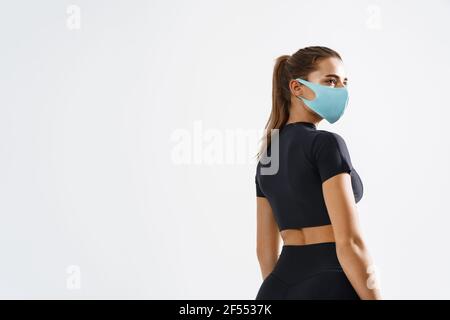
267, 236
351, 249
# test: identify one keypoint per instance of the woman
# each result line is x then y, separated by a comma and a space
308, 195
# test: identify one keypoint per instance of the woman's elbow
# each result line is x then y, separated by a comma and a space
354, 242
261, 254
266, 255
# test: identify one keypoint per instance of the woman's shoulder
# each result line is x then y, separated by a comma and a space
325, 134
328, 141
328, 137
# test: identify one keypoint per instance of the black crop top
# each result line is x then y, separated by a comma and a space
307, 157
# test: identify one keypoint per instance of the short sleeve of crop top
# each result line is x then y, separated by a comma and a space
330, 154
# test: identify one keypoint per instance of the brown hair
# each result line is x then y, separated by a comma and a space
287, 67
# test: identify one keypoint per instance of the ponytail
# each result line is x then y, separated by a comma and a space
281, 100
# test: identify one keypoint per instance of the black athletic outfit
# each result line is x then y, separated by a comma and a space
307, 157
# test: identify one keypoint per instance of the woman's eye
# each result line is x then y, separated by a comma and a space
331, 81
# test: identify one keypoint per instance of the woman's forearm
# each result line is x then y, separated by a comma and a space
356, 263
266, 264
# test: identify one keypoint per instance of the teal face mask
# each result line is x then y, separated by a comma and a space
329, 102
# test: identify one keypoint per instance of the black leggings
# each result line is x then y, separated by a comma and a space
308, 271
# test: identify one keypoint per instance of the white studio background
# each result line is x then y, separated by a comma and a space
99, 99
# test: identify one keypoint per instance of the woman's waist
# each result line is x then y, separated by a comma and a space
307, 235
296, 261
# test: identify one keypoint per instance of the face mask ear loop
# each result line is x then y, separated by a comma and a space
302, 84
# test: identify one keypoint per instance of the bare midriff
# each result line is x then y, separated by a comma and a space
309, 235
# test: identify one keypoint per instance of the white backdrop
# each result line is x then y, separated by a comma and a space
115, 116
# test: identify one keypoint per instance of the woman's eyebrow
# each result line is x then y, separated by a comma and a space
335, 76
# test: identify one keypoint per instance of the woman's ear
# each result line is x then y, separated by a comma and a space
296, 88
300, 90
